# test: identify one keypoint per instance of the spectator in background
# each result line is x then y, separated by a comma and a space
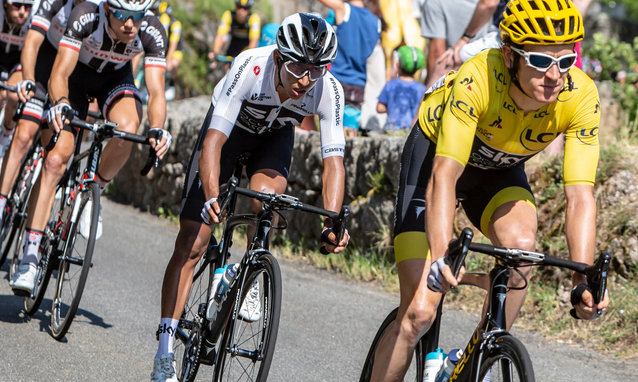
358, 31
238, 29
174, 54
268, 35
443, 23
401, 96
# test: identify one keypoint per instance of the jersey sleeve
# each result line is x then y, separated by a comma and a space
254, 26
581, 140
433, 20
224, 24
383, 97
176, 31
83, 20
330, 111
154, 42
461, 114
41, 20
230, 93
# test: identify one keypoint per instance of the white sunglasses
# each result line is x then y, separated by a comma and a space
542, 62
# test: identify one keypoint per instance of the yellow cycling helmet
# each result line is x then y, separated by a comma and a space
162, 6
541, 22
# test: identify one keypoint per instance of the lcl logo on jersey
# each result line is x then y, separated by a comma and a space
588, 136
467, 81
461, 106
533, 141
500, 81
434, 113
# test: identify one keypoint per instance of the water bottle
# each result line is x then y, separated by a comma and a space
219, 272
433, 363
227, 277
449, 363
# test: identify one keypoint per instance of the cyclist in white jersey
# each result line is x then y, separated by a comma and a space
93, 59
14, 21
46, 28
255, 108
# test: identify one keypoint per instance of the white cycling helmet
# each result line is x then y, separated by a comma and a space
303, 37
19, 1
132, 5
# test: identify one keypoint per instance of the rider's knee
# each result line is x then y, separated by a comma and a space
55, 162
418, 319
190, 244
22, 138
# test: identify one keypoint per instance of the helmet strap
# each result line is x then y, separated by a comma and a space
514, 73
278, 65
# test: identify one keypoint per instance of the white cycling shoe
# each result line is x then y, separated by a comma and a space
23, 280
250, 310
85, 222
164, 369
5, 141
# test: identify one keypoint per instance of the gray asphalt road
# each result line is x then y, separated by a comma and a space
326, 324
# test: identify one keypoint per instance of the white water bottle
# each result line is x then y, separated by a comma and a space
433, 363
449, 363
212, 306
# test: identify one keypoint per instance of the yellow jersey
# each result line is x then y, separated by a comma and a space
471, 117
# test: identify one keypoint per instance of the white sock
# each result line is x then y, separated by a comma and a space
166, 333
32, 247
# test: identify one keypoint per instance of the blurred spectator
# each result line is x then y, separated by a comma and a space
238, 30
358, 31
401, 96
174, 54
372, 122
583, 6
268, 35
443, 23
402, 29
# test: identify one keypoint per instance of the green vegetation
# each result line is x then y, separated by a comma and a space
615, 56
198, 18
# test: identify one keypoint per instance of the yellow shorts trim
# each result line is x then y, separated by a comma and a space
411, 245
509, 194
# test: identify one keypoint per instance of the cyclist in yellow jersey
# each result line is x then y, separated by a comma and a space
173, 29
239, 29
475, 129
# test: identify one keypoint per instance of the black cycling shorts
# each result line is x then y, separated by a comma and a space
483, 192
10, 62
272, 150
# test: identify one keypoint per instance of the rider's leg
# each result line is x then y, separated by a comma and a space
268, 181
127, 113
514, 225
11, 101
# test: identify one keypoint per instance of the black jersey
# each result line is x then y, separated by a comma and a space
87, 33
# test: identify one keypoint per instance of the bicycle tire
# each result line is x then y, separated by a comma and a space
48, 260
189, 335
507, 360
247, 347
17, 200
74, 264
415, 373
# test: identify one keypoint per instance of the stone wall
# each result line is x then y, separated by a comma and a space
372, 208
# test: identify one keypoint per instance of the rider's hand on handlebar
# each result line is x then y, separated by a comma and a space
211, 211
583, 302
56, 116
22, 89
329, 246
162, 147
441, 278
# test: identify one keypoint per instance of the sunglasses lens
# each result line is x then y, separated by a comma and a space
299, 70
125, 15
539, 61
567, 62
20, 5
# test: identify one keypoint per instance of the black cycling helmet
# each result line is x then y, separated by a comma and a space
303, 37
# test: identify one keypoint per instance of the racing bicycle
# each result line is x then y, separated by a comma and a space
491, 350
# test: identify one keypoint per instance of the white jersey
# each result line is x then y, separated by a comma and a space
246, 98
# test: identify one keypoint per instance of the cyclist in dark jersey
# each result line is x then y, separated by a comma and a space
14, 16
93, 60
255, 108
238, 29
45, 31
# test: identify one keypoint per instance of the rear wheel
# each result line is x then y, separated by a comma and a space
75, 260
507, 361
248, 340
414, 373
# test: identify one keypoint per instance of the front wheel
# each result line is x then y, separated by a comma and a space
250, 334
75, 261
414, 373
507, 361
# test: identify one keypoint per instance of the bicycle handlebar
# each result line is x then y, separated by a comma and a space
276, 202
107, 129
596, 274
